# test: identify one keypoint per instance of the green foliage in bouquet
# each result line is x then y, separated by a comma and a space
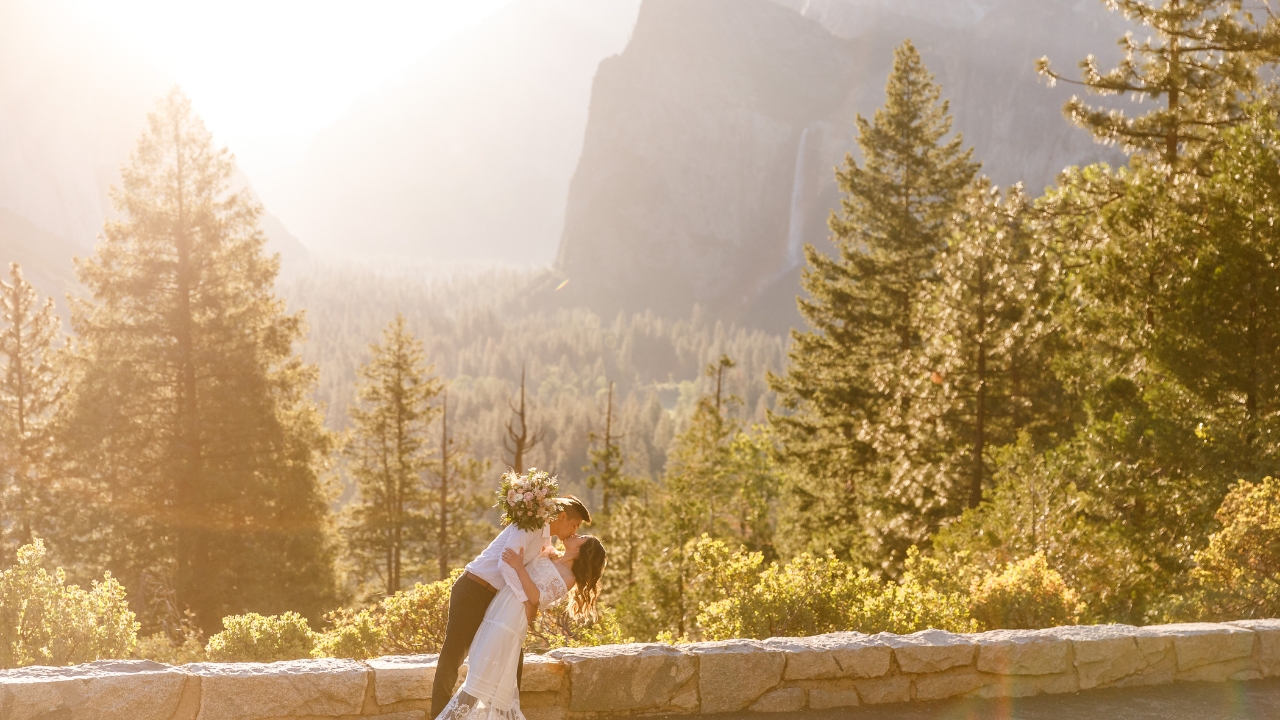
528, 501
258, 638
44, 621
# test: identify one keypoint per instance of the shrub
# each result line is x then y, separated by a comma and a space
44, 621
259, 638
556, 628
927, 597
1026, 595
413, 621
160, 647
811, 595
807, 596
355, 635
1237, 571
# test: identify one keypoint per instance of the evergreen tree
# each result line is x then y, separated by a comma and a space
605, 471
190, 412
1200, 61
29, 391
719, 482
861, 309
390, 454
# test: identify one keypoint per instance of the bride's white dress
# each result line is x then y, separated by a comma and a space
490, 692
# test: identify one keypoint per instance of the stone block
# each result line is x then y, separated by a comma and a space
686, 699
623, 678
929, 651
1240, 668
1025, 685
825, 699
807, 658
405, 715
1197, 644
1104, 653
834, 655
397, 678
859, 655
1266, 648
542, 674
105, 690
788, 699
555, 712
539, 699
1022, 652
892, 689
250, 691
949, 684
733, 673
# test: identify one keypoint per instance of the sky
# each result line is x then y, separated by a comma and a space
268, 75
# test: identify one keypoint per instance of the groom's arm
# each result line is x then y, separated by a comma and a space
517, 541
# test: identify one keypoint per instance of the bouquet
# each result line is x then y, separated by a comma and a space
528, 501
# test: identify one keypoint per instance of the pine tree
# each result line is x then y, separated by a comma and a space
190, 413
605, 470
719, 482
861, 310
1200, 61
29, 392
390, 453
980, 375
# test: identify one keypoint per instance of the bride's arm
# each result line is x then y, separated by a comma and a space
516, 560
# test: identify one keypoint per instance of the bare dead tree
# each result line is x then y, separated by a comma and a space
520, 442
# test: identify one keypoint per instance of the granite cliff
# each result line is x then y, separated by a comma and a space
711, 141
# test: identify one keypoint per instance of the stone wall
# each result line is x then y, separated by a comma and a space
775, 675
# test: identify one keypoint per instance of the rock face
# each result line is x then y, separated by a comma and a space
824, 672
710, 146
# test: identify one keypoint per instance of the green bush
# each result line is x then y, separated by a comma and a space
259, 638
929, 596
355, 635
812, 595
162, 648
1236, 573
414, 620
44, 621
556, 628
1026, 595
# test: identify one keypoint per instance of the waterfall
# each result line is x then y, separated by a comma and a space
795, 229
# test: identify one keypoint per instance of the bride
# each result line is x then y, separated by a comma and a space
490, 691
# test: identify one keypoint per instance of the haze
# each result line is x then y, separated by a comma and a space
267, 75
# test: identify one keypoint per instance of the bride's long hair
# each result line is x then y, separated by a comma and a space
587, 568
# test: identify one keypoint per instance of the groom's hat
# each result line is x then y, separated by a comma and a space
569, 502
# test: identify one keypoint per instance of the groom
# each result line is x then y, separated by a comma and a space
483, 578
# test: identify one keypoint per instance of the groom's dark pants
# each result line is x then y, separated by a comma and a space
468, 600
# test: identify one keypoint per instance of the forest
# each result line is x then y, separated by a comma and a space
1005, 410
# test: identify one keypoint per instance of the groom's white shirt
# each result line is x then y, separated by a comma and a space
488, 566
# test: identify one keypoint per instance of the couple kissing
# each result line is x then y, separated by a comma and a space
493, 603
